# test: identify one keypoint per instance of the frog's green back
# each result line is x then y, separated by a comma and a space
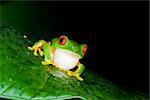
22, 76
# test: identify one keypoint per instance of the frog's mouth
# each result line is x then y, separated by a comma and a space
65, 59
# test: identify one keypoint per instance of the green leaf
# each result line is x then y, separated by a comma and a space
22, 76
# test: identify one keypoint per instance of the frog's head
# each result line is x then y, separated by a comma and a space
67, 52
69, 46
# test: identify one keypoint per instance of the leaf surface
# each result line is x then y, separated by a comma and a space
22, 76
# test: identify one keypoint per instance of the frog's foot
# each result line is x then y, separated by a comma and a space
40, 51
59, 68
70, 73
34, 50
46, 62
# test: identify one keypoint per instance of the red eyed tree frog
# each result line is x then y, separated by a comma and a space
62, 53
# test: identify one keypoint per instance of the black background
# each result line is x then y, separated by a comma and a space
119, 49
117, 34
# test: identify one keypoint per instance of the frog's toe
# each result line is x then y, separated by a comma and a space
70, 73
46, 62
30, 48
41, 53
35, 53
78, 77
60, 68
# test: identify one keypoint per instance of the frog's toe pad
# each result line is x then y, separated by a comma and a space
46, 62
35, 53
79, 78
30, 48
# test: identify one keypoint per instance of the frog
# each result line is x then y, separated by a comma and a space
63, 53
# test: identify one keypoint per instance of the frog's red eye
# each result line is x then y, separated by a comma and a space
85, 49
62, 40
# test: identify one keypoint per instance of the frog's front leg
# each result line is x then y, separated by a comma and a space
48, 54
78, 72
37, 47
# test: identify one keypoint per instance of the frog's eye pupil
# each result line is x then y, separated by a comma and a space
62, 40
85, 49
